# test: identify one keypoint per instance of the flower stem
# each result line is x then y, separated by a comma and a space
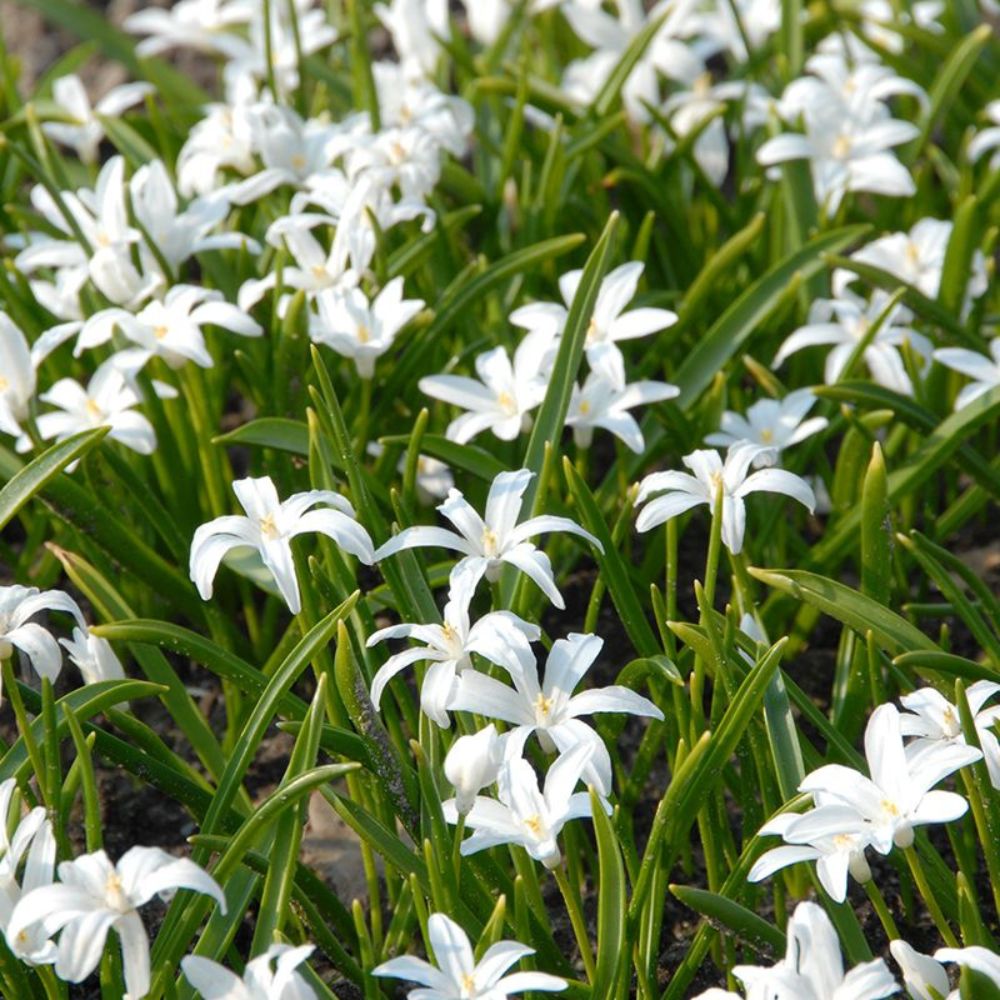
575, 911
882, 909
920, 877
714, 548
456, 851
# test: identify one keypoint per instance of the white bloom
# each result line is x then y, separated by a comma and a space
83, 131
171, 328
881, 20
501, 400
269, 526
898, 796
550, 709
93, 657
923, 977
774, 424
988, 138
487, 543
500, 637
416, 27
846, 152
93, 896
222, 140
522, 814
196, 24
935, 722
17, 376
974, 957
844, 322
472, 763
458, 974
609, 323
835, 838
359, 329
259, 982
34, 842
108, 401
19, 604
599, 404
179, 234
813, 967
711, 478
984, 371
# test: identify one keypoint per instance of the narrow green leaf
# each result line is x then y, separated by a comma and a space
611, 940
764, 938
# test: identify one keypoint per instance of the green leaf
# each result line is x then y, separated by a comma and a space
32, 478
467, 457
732, 330
861, 613
764, 938
551, 417
611, 942
270, 432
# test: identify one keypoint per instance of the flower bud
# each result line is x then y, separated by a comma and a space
473, 762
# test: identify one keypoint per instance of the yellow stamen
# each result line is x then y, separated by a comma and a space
267, 526
93, 409
841, 147
766, 435
159, 332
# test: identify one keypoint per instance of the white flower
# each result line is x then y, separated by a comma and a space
988, 138
917, 257
599, 404
17, 376
500, 637
259, 982
835, 837
472, 763
196, 24
984, 371
177, 235
935, 722
83, 131
17, 605
269, 527
609, 323
222, 140
974, 957
501, 400
487, 543
171, 328
550, 709
34, 842
774, 424
108, 401
898, 796
93, 896
522, 814
923, 977
813, 967
93, 657
682, 491
846, 152
458, 974
416, 27
357, 329
847, 320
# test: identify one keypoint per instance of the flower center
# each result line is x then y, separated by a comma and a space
299, 162
159, 332
507, 403
364, 334
543, 707
912, 253
489, 543
593, 331
93, 410
584, 407
4, 384
534, 824
702, 86
267, 526
766, 435
468, 985
114, 894
843, 840
841, 149
891, 808
950, 723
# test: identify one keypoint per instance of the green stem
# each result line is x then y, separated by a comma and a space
920, 877
575, 911
882, 909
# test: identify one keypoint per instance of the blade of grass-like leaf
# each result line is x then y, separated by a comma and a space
751, 929
469, 458
734, 327
893, 633
32, 478
270, 432
551, 416
611, 942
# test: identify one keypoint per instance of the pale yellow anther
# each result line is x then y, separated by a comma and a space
841, 147
93, 409
507, 403
489, 543
268, 528
159, 332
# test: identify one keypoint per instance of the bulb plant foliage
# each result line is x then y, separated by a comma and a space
558, 440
